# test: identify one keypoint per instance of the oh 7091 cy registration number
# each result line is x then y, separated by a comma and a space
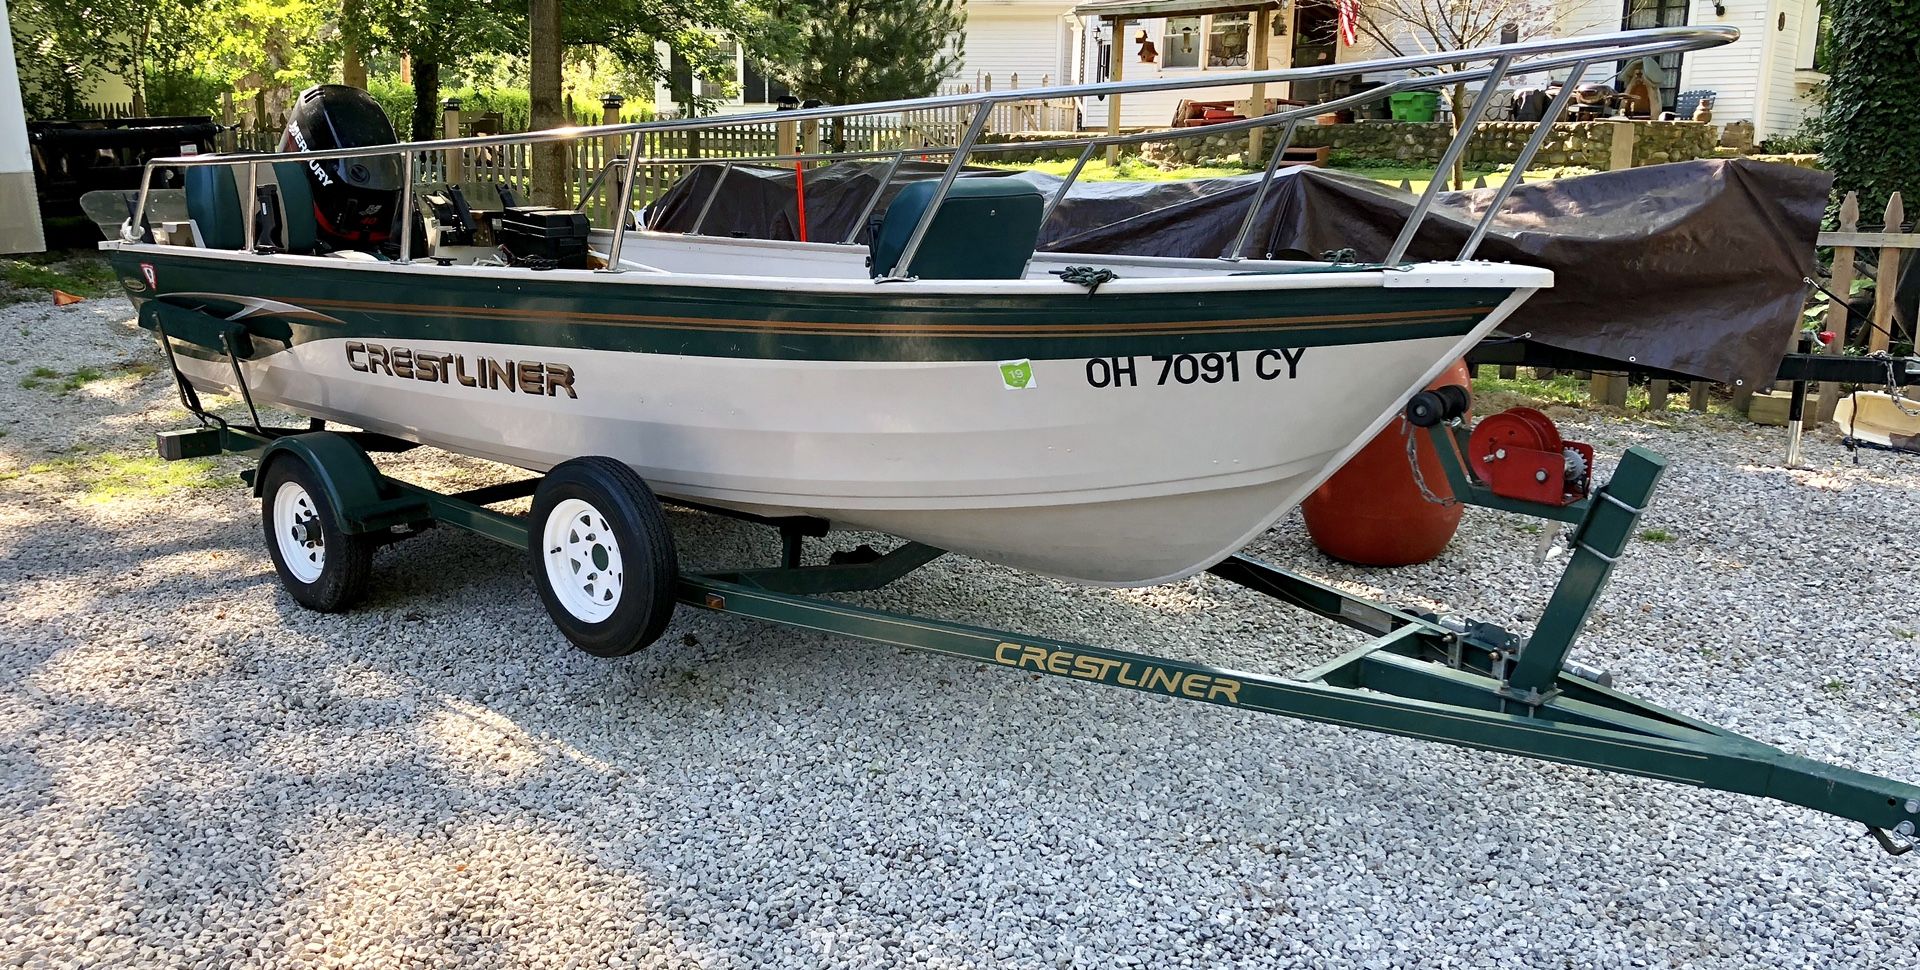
1160, 369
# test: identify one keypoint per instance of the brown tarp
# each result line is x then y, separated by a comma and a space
1692, 268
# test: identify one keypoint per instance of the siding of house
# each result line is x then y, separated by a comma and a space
1155, 109
1754, 78
1733, 72
1786, 105
1005, 40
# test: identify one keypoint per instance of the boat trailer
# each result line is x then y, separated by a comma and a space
1439, 678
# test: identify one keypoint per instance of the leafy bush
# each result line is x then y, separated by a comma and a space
514, 106
1873, 132
1344, 158
184, 92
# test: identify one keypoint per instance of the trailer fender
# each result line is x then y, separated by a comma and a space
344, 471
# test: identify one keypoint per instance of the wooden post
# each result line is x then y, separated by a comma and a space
1257, 137
786, 138
611, 146
1657, 390
1509, 371
1742, 398
1116, 67
450, 128
1886, 279
1841, 283
1697, 396
1609, 387
230, 136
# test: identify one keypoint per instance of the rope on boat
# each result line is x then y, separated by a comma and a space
1347, 255
1088, 276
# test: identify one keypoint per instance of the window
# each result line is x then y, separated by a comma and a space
1180, 45
756, 87
1227, 41
1639, 14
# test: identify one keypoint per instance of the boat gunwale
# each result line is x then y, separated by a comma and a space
1239, 277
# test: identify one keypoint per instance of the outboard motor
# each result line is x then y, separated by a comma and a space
354, 199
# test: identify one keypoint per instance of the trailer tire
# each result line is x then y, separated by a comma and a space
323, 567
602, 556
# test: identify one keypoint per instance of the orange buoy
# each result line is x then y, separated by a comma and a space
1371, 511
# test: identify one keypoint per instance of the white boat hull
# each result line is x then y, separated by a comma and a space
1121, 485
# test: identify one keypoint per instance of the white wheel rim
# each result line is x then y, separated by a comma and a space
582, 559
296, 529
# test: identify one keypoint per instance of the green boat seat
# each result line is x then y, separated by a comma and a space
213, 203
985, 230
299, 227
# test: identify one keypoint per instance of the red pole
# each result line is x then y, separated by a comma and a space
800, 194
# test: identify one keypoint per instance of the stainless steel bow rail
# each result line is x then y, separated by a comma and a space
1439, 678
1485, 65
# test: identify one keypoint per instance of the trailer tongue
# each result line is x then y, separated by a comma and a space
1439, 678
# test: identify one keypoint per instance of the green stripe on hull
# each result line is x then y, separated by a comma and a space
771, 324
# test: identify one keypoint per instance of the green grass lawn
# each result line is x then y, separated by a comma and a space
1134, 170
1130, 169
34, 277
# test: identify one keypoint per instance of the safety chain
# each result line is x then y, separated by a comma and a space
1087, 276
1413, 462
1893, 387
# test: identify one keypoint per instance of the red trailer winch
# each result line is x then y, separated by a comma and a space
1520, 455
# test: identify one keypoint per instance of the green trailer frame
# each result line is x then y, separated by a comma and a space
1442, 679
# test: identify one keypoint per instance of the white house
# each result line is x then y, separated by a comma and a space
19, 208
1763, 78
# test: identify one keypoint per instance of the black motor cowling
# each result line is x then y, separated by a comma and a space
354, 199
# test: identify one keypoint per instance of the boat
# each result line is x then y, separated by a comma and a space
1118, 421
1110, 421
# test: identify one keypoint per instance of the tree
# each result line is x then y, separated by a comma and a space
545, 50
60, 44
854, 51
436, 32
1409, 28
56, 57
628, 29
1872, 131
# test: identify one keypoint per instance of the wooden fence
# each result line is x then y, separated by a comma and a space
1847, 240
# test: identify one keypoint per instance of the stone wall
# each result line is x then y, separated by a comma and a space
1590, 144
1672, 141
1018, 157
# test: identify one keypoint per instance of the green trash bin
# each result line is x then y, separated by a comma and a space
1414, 105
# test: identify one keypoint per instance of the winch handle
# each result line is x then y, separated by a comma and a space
1443, 403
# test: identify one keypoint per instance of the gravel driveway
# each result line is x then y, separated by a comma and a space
195, 772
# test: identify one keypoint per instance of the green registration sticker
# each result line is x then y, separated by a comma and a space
1017, 375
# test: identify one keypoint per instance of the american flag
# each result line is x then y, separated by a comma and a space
1349, 22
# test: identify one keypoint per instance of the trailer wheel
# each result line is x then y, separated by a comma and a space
603, 557
322, 566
